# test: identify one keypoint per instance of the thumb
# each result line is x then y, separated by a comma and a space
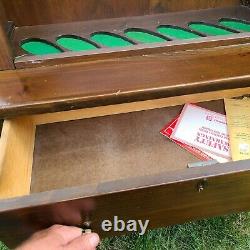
88, 241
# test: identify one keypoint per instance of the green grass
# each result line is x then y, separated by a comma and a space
2, 246
220, 233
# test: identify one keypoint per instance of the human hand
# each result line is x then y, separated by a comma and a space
60, 237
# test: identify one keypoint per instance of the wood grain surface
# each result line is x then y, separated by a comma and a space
26, 12
138, 78
16, 157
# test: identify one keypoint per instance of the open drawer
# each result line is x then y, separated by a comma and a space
84, 166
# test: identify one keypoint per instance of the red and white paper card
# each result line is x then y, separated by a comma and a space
203, 129
168, 130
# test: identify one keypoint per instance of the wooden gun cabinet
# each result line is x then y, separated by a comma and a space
85, 87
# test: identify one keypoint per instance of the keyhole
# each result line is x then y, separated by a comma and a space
200, 188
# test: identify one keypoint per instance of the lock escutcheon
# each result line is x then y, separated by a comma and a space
202, 185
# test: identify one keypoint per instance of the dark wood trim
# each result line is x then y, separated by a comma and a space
128, 79
82, 10
6, 55
165, 199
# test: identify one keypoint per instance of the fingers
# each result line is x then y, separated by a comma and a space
88, 241
61, 237
64, 233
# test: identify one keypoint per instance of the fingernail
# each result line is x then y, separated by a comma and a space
94, 240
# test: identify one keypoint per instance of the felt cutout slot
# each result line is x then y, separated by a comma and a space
37, 46
75, 43
144, 36
177, 32
210, 29
235, 24
110, 39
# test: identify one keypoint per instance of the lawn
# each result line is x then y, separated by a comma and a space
228, 232
221, 233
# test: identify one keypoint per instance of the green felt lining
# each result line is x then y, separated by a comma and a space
110, 40
235, 24
36, 46
144, 36
209, 29
75, 44
40, 47
176, 32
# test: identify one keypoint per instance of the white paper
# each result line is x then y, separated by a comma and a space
203, 129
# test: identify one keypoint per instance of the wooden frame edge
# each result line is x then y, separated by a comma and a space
136, 106
6, 57
16, 157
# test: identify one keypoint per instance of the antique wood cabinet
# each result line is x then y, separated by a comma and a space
86, 86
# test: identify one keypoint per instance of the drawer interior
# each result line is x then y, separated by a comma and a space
91, 147
97, 150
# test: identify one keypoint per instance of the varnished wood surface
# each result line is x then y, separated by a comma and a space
6, 53
164, 199
28, 12
56, 88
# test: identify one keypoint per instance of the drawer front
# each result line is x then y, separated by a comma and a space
176, 198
